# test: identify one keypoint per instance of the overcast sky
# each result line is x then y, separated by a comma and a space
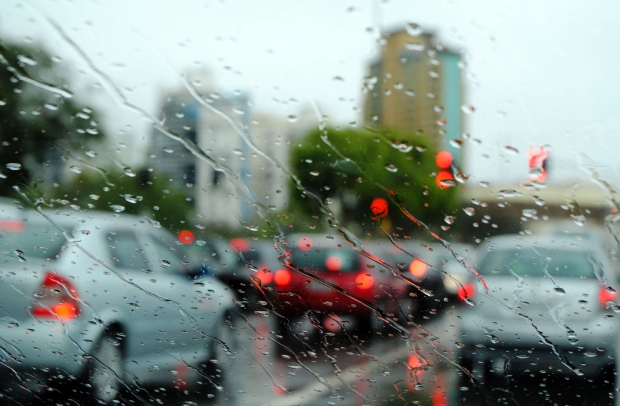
536, 72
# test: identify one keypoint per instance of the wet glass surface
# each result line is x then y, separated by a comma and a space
364, 203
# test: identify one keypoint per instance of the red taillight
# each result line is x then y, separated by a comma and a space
282, 277
58, 299
265, 276
364, 281
418, 268
466, 291
333, 263
607, 296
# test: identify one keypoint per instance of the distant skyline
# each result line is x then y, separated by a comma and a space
536, 72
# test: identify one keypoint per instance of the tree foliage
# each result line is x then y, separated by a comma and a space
353, 167
39, 118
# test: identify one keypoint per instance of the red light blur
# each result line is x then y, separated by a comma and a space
265, 276
333, 263
239, 244
379, 207
417, 268
444, 159
305, 243
63, 305
13, 226
364, 281
186, 237
444, 179
282, 277
467, 291
605, 296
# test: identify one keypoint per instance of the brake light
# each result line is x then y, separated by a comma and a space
607, 296
282, 277
333, 263
364, 281
58, 299
466, 291
265, 275
418, 268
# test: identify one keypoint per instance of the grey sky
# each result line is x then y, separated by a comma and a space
537, 72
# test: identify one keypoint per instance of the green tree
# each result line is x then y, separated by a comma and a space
364, 165
143, 194
39, 117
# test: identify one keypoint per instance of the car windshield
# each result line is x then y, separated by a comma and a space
377, 202
25, 240
533, 263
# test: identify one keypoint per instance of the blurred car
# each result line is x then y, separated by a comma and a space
324, 270
548, 312
231, 261
96, 304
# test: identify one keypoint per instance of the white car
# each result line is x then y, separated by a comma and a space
97, 305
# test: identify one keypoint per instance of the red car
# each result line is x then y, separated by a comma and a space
328, 286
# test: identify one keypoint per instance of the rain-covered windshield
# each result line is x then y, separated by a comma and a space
308, 203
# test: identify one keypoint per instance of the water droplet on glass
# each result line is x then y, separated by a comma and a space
164, 263
251, 227
292, 118
91, 154
403, 147
456, 143
94, 197
75, 168
168, 150
391, 168
237, 151
131, 198
449, 220
117, 208
508, 193
539, 201
459, 344
413, 29
559, 290
420, 148
26, 60
201, 243
129, 172
578, 219
470, 211
14, 166
314, 173
467, 109
52, 107
494, 339
511, 150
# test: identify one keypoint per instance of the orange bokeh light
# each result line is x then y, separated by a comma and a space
282, 277
417, 268
444, 159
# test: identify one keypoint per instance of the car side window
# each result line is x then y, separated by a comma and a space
125, 251
172, 257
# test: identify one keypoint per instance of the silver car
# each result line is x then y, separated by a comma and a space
545, 308
100, 305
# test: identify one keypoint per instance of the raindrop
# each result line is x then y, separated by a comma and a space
403, 147
539, 201
391, 168
579, 220
117, 208
292, 118
314, 173
413, 29
91, 154
484, 184
419, 47
14, 166
251, 227
470, 211
456, 143
134, 305
26, 60
52, 107
164, 263
75, 168
94, 197
168, 150
494, 339
237, 151
201, 243
449, 219
467, 109
511, 150
508, 193
469, 301
199, 283
264, 313
420, 148
2, 103
459, 344
131, 198
129, 172
559, 290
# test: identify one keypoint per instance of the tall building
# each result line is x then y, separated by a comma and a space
415, 87
221, 132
